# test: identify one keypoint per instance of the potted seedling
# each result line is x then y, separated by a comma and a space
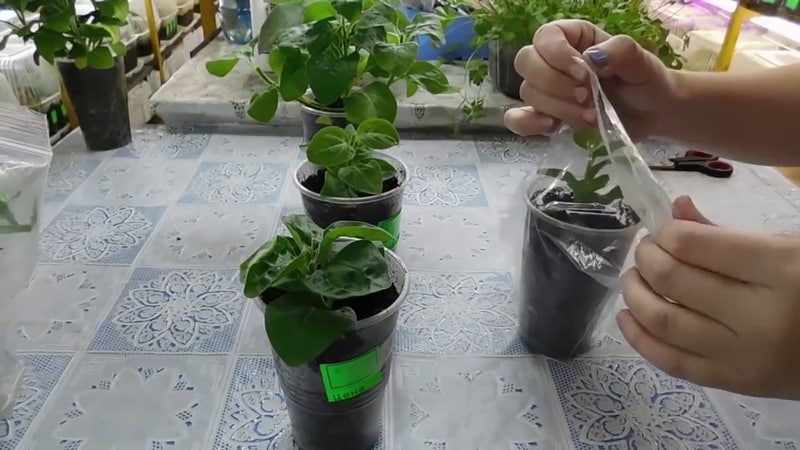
331, 299
87, 50
578, 232
345, 178
339, 60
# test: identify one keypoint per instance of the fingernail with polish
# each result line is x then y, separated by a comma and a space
598, 56
581, 93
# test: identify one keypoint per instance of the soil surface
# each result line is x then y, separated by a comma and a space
315, 182
364, 307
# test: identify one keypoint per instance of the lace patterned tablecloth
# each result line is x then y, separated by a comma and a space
121, 354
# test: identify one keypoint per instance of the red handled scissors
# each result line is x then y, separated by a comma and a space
694, 161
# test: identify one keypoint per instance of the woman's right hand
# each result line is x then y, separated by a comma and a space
556, 89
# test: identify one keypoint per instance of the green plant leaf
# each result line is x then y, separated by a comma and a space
595, 168
276, 61
560, 174
49, 43
429, 76
587, 139
388, 171
351, 229
330, 76
318, 10
300, 328
119, 49
330, 147
221, 67
377, 134
334, 187
375, 100
367, 38
59, 22
304, 231
293, 78
426, 24
363, 177
282, 17
349, 9
118, 9
356, 270
395, 58
614, 194
273, 261
264, 105
101, 58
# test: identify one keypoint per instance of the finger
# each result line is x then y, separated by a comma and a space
710, 294
674, 324
683, 208
567, 111
622, 57
560, 41
673, 361
762, 259
526, 121
530, 65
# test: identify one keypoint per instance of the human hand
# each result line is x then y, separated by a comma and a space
735, 320
556, 89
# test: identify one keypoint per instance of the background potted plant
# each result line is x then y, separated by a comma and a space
459, 30
344, 178
340, 60
331, 300
508, 25
89, 55
578, 232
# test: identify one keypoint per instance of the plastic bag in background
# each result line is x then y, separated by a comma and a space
25, 156
577, 218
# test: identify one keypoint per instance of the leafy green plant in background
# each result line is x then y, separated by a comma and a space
90, 40
11, 224
351, 170
514, 22
586, 187
311, 278
346, 53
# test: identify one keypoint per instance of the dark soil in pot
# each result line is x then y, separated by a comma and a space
384, 210
561, 303
100, 99
315, 119
501, 69
336, 401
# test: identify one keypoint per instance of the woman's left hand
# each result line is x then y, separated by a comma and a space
734, 319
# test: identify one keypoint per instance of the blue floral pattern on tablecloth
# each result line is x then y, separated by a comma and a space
135, 334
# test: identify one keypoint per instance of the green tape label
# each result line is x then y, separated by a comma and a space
53, 117
349, 379
392, 226
792, 4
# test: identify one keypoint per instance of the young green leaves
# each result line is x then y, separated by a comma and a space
351, 170
90, 40
586, 188
312, 270
342, 54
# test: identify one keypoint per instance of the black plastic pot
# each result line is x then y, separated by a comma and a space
349, 416
561, 303
765, 7
501, 69
790, 10
186, 19
315, 119
100, 99
383, 210
131, 56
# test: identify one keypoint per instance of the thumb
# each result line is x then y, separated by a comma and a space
622, 57
684, 209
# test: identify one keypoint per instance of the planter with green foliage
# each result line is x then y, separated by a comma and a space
576, 228
345, 178
88, 52
339, 59
508, 25
331, 299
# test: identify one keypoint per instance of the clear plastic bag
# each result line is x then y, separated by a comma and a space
577, 218
25, 157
